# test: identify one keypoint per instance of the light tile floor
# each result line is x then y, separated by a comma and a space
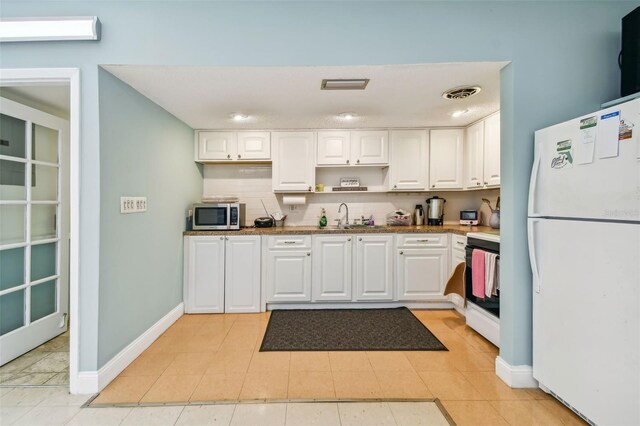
54, 406
46, 365
216, 358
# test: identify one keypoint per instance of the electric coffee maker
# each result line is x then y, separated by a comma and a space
435, 210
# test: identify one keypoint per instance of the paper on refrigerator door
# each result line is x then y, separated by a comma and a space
586, 146
608, 130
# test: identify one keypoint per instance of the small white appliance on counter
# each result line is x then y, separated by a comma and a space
469, 217
584, 247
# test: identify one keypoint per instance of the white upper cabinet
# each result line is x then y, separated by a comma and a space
254, 146
370, 147
293, 161
353, 148
234, 146
446, 159
334, 148
474, 154
409, 166
492, 150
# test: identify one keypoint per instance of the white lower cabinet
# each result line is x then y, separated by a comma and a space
422, 272
332, 267
222, 274
374, 267
288, 268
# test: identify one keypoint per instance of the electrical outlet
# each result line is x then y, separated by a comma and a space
133, 204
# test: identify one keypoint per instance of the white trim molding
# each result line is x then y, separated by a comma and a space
516, 376
91, 382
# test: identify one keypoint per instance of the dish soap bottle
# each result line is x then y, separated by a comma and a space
323, 219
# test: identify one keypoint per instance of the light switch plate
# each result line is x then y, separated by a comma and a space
133, 205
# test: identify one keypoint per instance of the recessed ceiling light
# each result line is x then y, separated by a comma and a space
344, 83
458, 113
347, 115
237, 116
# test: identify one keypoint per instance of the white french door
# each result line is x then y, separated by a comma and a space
34, 228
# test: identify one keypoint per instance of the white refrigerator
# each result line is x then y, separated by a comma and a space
584, 248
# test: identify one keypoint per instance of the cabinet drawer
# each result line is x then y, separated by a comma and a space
289, 241
458, 242
422, 240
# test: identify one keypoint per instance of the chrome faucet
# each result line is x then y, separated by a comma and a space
346, 207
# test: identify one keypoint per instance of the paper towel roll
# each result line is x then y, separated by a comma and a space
293, 200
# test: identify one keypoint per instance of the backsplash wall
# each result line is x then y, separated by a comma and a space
252, 183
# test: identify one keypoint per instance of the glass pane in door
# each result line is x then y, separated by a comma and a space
43, 221
43, 261
44, 183
13, 133
12, 224
12, 180
11, 268
43, 299
45, 144
11, 311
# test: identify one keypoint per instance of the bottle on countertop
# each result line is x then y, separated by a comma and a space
323, 219
418, 215
189, 224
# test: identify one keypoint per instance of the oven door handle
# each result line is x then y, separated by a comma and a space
532, 252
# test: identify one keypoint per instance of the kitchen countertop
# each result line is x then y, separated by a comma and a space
292, 230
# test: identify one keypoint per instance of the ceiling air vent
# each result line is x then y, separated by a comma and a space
461, 92
344, 84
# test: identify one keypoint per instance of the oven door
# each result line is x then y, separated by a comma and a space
211, 217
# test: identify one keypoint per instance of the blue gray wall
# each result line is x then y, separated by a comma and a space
144, 151
563, 64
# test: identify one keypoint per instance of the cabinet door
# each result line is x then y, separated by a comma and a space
474, 155
242, 274
492, 150
422, 273
457, 256
204, 274
331, 276
446, 159
288, 276
217, 146
374, 267
370, 147
254, 146
409, 167
334, 148
293, 161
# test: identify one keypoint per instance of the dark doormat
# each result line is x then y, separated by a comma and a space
348, 330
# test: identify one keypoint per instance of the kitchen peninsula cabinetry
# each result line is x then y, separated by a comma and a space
233, 146
332, 267
293, 167
288, 268
409, 166
222, 274
422, 266
482, 153
446, 159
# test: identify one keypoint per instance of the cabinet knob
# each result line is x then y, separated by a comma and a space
358, 161
349, 239
229, 156
239, 156
226, 238
360, 239
477, 183
401, 253
222, 238
347, 161
433, 186
486, 183
308, 254
395, 186
309, 188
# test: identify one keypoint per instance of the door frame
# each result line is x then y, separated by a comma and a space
70, 76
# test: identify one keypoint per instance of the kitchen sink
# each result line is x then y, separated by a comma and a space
353, 227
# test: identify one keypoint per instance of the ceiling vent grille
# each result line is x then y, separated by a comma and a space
461, 92
344, 83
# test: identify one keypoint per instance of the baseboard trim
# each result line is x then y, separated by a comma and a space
516, 376
90, 382
359, 305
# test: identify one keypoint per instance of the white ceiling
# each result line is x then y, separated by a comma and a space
53, 98
290, 97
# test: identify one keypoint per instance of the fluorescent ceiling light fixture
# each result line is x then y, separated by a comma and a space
237, 116
458, 113
344, 84
347, 115
54, 28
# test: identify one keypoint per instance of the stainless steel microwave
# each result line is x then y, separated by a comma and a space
222, 216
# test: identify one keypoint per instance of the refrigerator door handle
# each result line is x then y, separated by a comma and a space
532, 253
533, 184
